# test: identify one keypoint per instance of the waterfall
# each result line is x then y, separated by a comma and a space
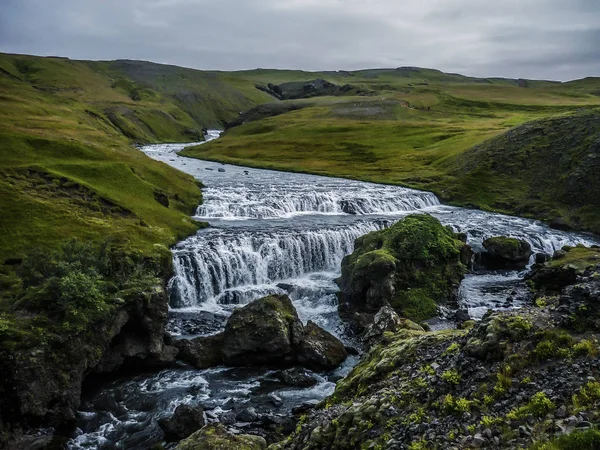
210, 263
258, 202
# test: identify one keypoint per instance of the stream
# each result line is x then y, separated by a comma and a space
276, 232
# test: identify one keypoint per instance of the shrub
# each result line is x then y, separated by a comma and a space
451, 377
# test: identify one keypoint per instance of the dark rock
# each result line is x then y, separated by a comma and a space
161, 198
296, 377
541, 258
264, 331
201, 352
247, 415
386, 319
461, 316
558, 223
269, 332
413, 266
185, 421
505, 252
305, 407
221, 169
319, 349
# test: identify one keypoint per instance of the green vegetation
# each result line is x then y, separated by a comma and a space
579, 257
442, 133
417, 255
538, 406
578, 440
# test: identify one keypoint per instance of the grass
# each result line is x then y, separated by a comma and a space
439, 137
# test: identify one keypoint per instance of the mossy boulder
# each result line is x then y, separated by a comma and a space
413, 266
216, 437
505, 252
265, 332
262, 331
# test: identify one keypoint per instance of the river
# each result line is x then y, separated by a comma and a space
275, 232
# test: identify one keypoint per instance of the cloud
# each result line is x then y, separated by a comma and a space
550, 39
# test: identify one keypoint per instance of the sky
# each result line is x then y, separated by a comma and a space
536, 39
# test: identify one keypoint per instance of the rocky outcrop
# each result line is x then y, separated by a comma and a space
42, 386
216, 437
413, 266
516, 378
266, 332
504, 253
307, 89
185, 421
386, 320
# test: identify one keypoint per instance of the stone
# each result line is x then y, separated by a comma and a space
202, 352
505, 252
275, 400
247, 415
386, 319
413, 266
319, 349
478, 441
296, 377
217, 437
185, 421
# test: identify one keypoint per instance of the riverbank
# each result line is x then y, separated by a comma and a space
456, 154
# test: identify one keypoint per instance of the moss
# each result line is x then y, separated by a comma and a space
578, 440
553, 344
451, 377
588, 396
216, 437
417, 255
538, 406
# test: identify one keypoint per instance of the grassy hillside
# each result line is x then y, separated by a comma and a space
419, 133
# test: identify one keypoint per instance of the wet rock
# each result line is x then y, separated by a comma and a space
185, 421
275, 400
541, 258
202, 352
217, 437
305, 407
505, 252
319, 349
296, 377
461, 316
247, 415
221, 169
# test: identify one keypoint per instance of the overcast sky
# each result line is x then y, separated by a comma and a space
549, 39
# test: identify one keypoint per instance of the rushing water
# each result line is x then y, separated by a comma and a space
274, 232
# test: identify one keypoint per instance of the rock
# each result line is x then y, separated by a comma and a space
161, 198
296, 377
185, 421
461, 316
215, 437
558, 223
247, 415
275, 400
202, 352
264, 331
478, 441
269, 332
541, 258
221, 169
305, 407
386, 319
413, 266
319, 350
505, 252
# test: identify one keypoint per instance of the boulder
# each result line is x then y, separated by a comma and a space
264, 331
185, 421
505, 252
296, 377
319, 349
216, 437
202, 352
413, 266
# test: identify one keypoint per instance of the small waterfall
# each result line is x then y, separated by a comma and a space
210, 263
256, 202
